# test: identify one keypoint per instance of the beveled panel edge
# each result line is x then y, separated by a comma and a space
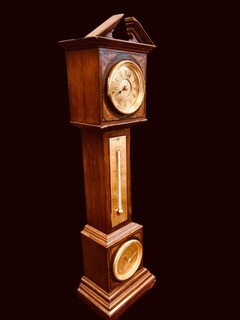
108, 124
107, 240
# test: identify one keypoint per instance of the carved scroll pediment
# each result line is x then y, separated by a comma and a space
135, 31
107, 27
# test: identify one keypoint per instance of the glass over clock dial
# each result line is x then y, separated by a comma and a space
126, 86
127, 259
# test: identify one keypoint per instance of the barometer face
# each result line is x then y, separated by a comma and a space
127, 259
126, 86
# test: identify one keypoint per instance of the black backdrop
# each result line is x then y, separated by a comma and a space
173, 168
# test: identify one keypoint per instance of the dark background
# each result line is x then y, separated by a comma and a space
174, 156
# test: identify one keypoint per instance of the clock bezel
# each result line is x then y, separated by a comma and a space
134, 107
134, 267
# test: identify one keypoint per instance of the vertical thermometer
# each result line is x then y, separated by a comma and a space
118, 179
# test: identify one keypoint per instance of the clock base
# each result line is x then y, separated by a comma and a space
112, 305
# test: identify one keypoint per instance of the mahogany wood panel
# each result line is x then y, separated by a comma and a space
83, 85
95, 262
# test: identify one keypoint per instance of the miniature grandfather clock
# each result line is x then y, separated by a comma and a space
107, 95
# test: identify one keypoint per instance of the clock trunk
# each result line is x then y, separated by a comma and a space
102, 179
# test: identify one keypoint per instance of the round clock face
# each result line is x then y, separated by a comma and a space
126, 86
127, 259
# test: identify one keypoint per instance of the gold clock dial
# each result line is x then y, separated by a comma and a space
126, 86
127, 259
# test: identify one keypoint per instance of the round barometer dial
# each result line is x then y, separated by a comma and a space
126, 86
127, 259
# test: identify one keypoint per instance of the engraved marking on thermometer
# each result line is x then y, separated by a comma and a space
120, 209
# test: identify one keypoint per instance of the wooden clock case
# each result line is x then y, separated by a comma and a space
89, 61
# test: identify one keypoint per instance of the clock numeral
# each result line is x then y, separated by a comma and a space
119, 99
130, 101
115, 86
129, 75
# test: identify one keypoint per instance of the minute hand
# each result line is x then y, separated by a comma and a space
130, 259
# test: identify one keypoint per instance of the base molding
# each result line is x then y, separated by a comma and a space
112, 305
